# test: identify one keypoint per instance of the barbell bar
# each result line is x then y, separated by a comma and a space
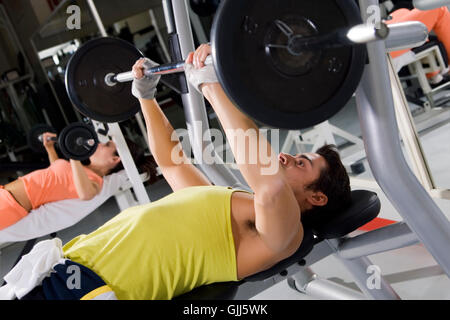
359, 34
77, 141
285, 64
86, 143
111, 79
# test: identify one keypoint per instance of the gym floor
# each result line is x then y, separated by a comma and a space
411, 271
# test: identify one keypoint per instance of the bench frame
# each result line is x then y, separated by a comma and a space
383, 148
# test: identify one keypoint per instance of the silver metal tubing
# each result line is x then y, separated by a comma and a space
195, 110
364, 33
121, 77
109, 79
359, 269
406, 35
359, 34
166, 69
168, 16
90, 142
96, 17
115, 131
327, 290
161, 40
41, 138
85, 143
430, 4
307, 282
388, 238
384, 153
169, 68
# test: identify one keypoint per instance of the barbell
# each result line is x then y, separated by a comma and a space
33, 135
287, 64
77, 141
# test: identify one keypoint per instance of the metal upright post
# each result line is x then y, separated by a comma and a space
17, 106
198, 27
177, 19
358, 268
159, 35
409, 133
119, 139
97, 18
383, 148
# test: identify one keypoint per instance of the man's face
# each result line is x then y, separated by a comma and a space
300, 171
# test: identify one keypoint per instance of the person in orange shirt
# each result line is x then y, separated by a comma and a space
437, 20
64, 180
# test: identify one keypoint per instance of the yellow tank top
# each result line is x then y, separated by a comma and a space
163, 249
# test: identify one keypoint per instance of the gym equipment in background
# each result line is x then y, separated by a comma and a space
33, 135
77, 141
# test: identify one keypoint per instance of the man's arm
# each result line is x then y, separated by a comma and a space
167, 150
276, 208
164, 144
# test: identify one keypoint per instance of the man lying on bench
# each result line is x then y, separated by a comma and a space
201, 233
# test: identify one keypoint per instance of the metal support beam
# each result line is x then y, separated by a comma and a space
176, 12
389, 167
118, 138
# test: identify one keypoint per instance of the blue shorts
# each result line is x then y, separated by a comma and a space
70, 281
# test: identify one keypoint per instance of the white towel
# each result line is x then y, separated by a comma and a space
32, 269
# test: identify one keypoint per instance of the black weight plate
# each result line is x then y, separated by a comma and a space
279, 89
33, 137
85, 80
68, 141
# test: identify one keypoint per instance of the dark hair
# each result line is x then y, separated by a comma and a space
145, 164
334, 182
